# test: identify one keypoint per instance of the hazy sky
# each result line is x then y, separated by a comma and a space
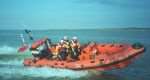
70, 14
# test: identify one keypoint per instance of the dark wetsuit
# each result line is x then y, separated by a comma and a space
75, 50
44, 52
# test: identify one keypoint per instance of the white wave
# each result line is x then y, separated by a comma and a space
11, 62
42, 72
7, 49
15, 67
53, 72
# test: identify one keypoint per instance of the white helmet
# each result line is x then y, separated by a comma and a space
74, 38
65, 38
61, 41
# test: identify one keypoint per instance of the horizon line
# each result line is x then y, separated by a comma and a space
85, 28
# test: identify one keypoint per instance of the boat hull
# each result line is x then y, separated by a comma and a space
108, 56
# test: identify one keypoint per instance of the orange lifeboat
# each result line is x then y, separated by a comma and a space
99, 57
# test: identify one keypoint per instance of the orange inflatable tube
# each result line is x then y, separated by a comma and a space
100, 57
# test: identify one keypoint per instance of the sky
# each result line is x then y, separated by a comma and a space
73, 14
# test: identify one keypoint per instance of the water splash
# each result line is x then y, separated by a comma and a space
41, 72
7, 49
15, 67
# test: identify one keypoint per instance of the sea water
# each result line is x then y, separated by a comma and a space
11, 67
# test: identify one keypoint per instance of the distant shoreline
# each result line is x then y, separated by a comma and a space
132, 28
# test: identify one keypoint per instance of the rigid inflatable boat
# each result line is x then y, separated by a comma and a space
108, 56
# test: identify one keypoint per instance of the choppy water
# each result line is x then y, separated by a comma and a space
11, 67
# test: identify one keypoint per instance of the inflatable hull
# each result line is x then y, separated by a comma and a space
108, 56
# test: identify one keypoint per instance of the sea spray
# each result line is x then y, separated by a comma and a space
7, 49
15, 67
45, 72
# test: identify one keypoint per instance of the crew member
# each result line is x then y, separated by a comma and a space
40, 49
66, 40
62, 50
93, 49
75, 47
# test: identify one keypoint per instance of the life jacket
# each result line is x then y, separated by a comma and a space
56, 50
52, 49
75, 44
66, 43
